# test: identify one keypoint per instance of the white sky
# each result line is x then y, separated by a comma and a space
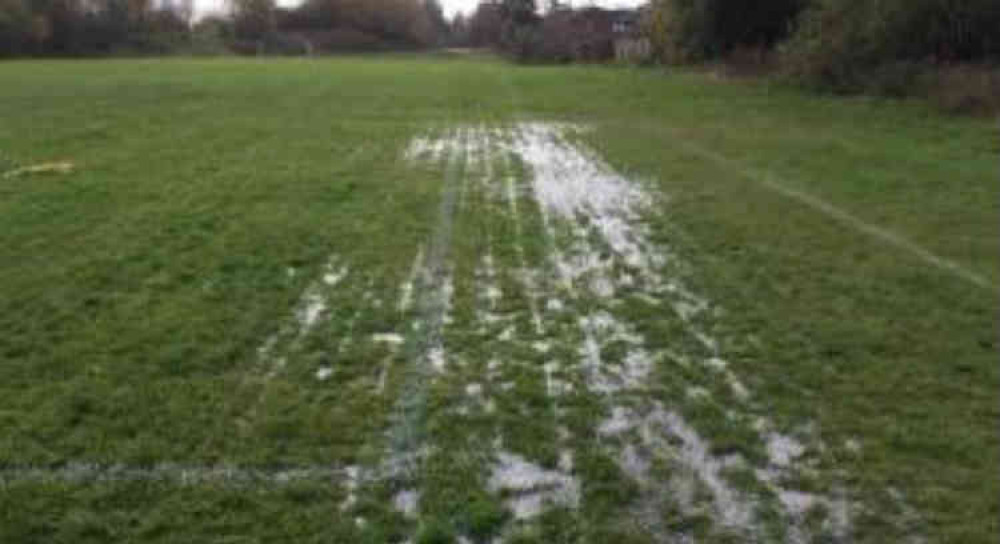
450, 6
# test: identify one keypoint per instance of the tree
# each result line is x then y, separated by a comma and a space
521, 34
15, 27
458, 31
519, 12
369, 23
87, 27
253, 20
683, 30
435, 16
848, 45
486, 25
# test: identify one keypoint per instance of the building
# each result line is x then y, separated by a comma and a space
596, 34
630, 43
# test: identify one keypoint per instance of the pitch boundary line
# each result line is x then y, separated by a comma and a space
885, 236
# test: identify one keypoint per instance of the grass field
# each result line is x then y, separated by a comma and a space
386, 299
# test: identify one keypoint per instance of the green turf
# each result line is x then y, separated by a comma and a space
207, 197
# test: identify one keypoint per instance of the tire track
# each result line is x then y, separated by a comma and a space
423, 347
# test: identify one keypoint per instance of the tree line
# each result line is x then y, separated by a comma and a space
79, 27
946, 48
837, 44
887, 46
102, 27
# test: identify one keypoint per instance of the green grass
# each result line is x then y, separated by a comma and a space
136, 291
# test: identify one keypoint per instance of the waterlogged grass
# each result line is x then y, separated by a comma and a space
155, 304
862, 339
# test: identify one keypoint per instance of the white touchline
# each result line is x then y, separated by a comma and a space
846, 218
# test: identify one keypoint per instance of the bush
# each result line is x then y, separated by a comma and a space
210, 36
831, 48
863, 45
15, 24
694, 30
747, 62
966, 89
349, 39
897, 79
526, 43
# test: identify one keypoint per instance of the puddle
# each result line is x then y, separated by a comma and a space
697, 393
635, 465
306, 314
717, 364
637, 369
605, 377
568, 181
783, 449
524, 275
572, 183
431, 149
407, 502
909, 519
494, 294
608, 253
332, 276
437, 306
351, 481
313, 304
406, 290
693, 453
529, 487
390, 338
436, 358
619, 422
599, 249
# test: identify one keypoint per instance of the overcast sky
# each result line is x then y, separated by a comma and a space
450, 6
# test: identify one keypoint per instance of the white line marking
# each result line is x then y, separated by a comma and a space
846, 218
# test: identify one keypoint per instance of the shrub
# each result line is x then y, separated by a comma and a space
693, 30
966, 89
526, 43
348, 39
15, 24
864, 45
